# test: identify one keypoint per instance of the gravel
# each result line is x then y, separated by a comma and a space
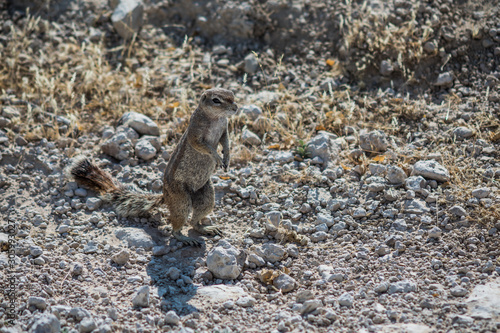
362, 193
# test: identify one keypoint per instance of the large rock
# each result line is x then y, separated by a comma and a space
127, 18
145, 150
141, 297
135, 237
222, 261
121, 257
141, 123
484, 301
46, 323
271, 252
395, 175
285, 283
431, 169
325, 146
217, 294
406, 328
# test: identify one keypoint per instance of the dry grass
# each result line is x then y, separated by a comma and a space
85, 82
370, 38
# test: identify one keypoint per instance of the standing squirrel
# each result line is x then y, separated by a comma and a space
187, 187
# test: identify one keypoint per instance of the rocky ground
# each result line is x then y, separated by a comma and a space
363, 192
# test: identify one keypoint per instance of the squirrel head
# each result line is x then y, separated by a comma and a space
218, 102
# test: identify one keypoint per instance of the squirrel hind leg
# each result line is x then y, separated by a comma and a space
203, 203
89, 175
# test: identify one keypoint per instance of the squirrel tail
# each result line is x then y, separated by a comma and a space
127, 201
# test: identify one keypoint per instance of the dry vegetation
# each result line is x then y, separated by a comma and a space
90, 83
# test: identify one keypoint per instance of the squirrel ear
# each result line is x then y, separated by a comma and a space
203, 97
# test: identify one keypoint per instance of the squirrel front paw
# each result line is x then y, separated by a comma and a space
219, 162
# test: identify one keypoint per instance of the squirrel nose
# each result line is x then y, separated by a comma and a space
235, 107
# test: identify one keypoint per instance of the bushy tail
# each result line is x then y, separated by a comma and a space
127, 201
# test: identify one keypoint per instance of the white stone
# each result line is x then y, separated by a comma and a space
281, 157
246, 301
326, 146
93, 203
415, 206
444, 79
285, 283
140, 123
310, 306
458, 291
141, 297
406, 328
435, 232
431, 169
404, 286
145, 150
359, 213
484, 301
135, 237
87, 325
458, 211
216, 294
319, 236
172, 318
274, 217
63, 228
251, 63
462, 132
121, 257
271, 252
127, 18
120, 145
374, 141
222, 262
346, 299
46, 323
324, 219
250, 138
481, 193
415, 183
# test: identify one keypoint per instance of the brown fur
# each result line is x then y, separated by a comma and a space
187, 186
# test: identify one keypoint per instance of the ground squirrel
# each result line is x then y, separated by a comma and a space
187, 187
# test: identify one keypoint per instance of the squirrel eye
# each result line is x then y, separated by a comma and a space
216, 100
